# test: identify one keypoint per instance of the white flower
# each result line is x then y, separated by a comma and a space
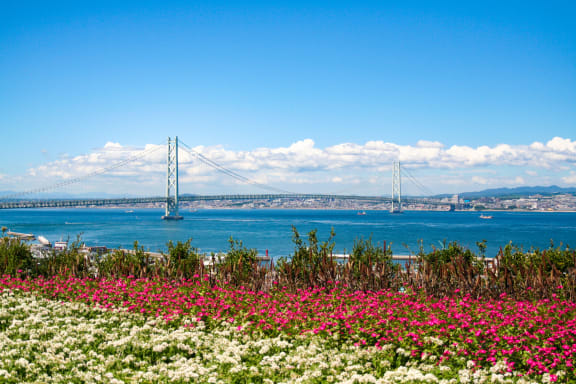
22, 363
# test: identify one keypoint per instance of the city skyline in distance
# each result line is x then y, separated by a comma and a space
314, 97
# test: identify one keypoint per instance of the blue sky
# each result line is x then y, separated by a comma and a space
315, 96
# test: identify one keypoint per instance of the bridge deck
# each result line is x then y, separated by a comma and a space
69, 203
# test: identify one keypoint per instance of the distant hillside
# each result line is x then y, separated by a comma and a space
518, 191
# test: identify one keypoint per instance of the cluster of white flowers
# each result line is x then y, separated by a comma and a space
434, 340
43, 341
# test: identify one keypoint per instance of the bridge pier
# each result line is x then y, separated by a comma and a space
172, 182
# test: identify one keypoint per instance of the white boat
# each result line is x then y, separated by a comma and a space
60, 245
485, 216
44, 241
21, 236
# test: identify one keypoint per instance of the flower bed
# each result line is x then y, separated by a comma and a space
148, 330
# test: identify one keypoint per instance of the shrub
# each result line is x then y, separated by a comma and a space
182, 260
70, 261
370, 266
450, 269
537, 273
119, 262
15, 257
240, 265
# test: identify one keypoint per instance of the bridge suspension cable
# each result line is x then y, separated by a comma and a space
84, 177
229, 172
425, 190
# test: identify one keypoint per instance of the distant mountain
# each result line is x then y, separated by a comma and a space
537, 190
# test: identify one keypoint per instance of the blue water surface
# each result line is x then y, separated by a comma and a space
268, 229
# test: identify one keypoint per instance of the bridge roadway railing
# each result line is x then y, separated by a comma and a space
65, 203
278, 196
69, 203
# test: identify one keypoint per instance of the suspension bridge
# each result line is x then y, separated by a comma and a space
172, 197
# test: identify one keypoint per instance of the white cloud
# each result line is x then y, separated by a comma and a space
562, 145
480, 180
518, 180
570, 179
429, 144
303, 163
111, 145
499, 181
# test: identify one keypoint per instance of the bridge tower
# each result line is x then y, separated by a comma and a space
172, 181
396, 189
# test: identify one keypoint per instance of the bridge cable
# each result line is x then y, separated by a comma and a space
84, 177
418, 184
231, 173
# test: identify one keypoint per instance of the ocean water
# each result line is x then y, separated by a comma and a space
267, 229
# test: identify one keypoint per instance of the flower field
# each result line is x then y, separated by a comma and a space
67, 329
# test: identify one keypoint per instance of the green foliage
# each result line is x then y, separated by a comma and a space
70, 261
311, 264
15, 257
553, 259
240, 263
450, 253
561, 259
182, 260
447, 270
482, 247
118, 263
370, 267
366, 256
365, 253
537, 273
512, 256
308, 255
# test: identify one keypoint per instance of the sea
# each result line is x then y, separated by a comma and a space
270, 231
